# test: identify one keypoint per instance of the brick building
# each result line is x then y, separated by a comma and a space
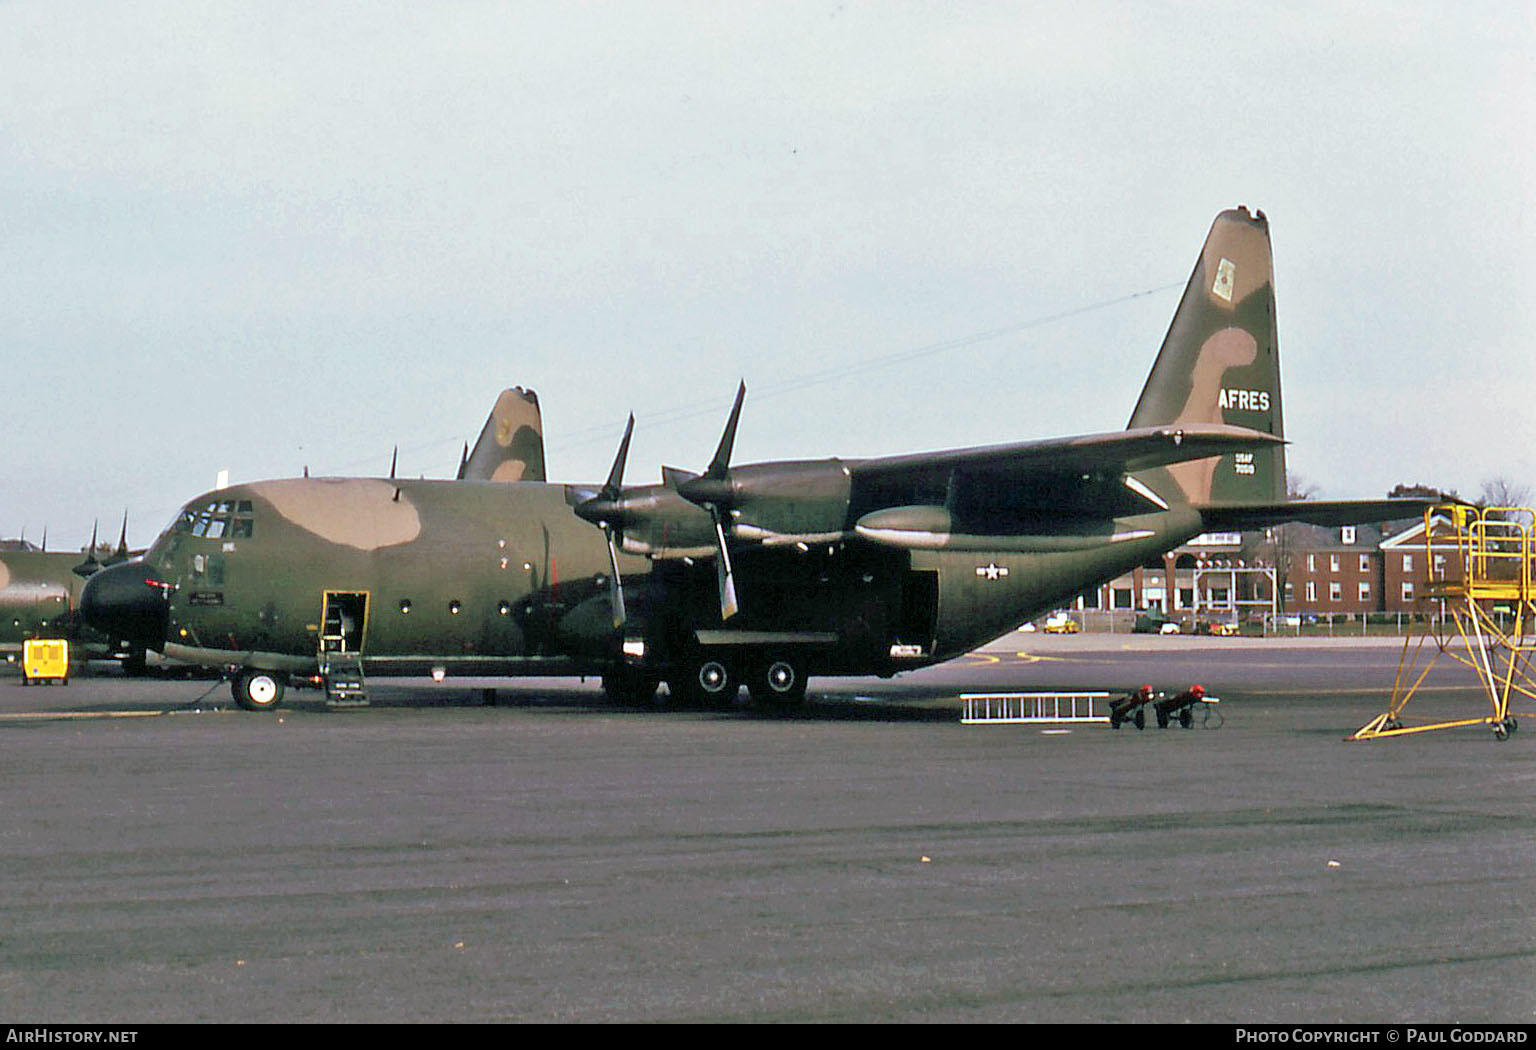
1348, 571
1334, 570
1407, 558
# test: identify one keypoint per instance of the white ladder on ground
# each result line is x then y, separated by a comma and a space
1028, 708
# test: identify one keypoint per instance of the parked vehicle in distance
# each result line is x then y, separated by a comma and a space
1061, 622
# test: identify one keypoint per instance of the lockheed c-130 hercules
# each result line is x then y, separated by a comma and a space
763, 574
40, 590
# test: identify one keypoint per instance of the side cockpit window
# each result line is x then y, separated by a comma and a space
219, 519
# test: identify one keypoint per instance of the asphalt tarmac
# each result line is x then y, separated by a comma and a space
551, 858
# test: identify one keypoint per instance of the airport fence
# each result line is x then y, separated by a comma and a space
1288, 625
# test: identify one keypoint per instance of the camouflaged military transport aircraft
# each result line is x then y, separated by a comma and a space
40, 591
765, 573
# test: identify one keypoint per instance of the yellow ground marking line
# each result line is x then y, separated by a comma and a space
989, 659
80, 716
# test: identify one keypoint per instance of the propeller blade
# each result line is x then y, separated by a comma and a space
599, 508
722, 461
712, 490
90, 564
615, 480
723, 574
615, 584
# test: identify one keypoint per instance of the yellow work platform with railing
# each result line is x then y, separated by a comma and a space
1479, 579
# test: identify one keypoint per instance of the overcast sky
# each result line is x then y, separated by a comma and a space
264, 236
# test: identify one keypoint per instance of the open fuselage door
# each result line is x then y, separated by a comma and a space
917, 628
343, 626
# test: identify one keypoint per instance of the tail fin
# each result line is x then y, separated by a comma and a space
511, 444
1220, 363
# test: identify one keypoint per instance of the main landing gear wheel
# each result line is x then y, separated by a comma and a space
707, 681
630, 687
136, 663
778, 681
257, 690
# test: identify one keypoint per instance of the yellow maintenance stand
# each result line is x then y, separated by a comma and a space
1481, 578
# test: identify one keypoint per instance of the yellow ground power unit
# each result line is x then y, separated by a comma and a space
45, 660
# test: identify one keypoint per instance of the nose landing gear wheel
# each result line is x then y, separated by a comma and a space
257, 690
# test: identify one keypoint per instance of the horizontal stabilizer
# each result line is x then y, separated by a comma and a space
1313, 512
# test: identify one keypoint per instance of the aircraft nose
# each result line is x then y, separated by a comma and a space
127, 602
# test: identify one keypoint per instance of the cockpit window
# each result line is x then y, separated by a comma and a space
218, 519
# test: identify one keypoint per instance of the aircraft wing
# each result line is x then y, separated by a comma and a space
1040, 486
1118, 452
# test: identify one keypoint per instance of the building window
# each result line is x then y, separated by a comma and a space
1365, 563
1311, 590
1311, 563
1407, 591
1333, 563
1407, 563
1365, 592
1335, 591
1348, 534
